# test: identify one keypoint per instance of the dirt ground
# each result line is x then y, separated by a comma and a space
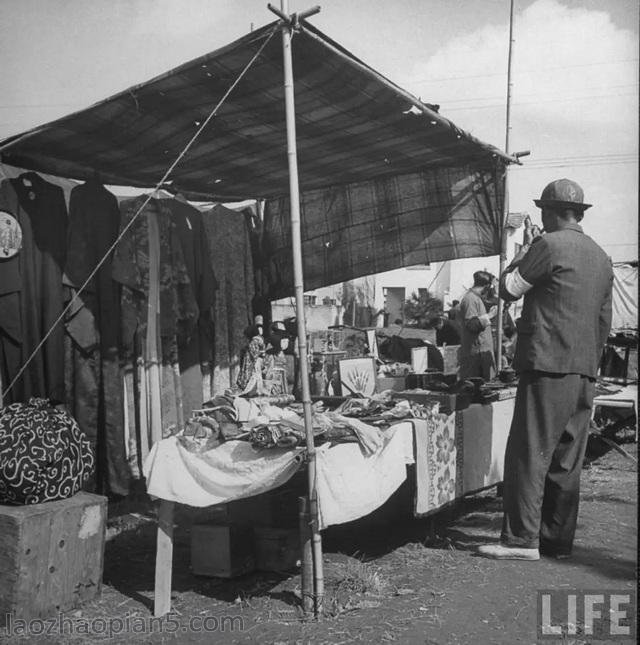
388, 578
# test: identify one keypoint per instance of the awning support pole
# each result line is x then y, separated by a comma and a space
505, 211
294, 192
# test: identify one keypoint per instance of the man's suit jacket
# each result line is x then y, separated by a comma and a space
566, 315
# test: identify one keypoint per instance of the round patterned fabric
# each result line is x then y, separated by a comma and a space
44, 456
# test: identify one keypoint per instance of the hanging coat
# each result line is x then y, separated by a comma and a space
195, 355
93, 379
233, 266
31, 292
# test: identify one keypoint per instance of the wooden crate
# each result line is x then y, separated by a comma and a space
51, 555
276, 549
221, 550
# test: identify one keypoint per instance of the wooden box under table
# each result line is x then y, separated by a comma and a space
51, 555
221, 550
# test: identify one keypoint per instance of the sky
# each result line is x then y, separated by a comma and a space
574, 74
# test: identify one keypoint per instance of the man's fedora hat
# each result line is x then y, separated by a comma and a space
562, 193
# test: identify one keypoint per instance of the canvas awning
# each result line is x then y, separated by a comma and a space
351, 125
374, 161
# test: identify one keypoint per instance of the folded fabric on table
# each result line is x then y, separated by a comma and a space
231, 471
351, 484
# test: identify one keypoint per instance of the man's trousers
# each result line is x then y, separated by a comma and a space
543, 460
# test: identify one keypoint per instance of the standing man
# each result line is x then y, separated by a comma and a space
476, 341
454, 314
566, 281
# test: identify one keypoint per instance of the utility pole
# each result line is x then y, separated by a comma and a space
505, 210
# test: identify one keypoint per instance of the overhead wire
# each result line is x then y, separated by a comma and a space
472, 106
579, 96
439, 79
160, 183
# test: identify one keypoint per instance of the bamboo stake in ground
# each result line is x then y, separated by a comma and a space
306, 557
294, 192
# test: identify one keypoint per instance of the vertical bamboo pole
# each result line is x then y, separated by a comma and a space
505, 211
294, 192
306, 557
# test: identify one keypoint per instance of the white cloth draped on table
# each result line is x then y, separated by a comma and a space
231, 471
350, 484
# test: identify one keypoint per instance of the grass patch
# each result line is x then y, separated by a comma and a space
347, 589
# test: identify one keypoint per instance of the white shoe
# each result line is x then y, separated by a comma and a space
502, 552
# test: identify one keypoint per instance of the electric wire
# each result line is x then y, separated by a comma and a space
522, 71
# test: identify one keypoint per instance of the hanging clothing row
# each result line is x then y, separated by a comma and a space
158, 329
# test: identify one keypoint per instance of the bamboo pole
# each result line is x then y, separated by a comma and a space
505, 209
294, 191
306, 557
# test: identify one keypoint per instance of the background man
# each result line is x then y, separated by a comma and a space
476, 341
566, 280
446, 332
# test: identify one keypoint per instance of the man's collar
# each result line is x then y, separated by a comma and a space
572, 226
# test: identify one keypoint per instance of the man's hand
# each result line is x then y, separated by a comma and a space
531, 231
493, 312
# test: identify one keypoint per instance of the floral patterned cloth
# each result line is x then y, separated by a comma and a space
460, 453
436, 462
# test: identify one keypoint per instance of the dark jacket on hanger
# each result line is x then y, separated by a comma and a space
31, 293
94, 382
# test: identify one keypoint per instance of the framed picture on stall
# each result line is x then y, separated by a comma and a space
358, 376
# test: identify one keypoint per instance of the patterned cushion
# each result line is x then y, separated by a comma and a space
44, 456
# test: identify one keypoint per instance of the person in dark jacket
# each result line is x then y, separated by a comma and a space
476, 342
566, 280
446, 332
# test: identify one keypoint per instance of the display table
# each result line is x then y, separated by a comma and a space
350, 484
454, 455
462, 454
627, 397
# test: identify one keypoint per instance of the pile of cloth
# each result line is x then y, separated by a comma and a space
267, 426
